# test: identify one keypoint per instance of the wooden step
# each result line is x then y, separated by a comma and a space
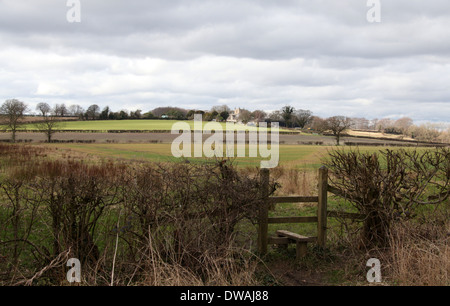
296, 237
279, 240
300, 241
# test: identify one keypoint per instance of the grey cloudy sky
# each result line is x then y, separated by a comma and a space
321, 55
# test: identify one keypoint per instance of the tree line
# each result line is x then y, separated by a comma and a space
13, 111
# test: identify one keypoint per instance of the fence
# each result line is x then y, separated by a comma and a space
285, 237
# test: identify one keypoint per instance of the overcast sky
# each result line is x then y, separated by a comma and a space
321, 55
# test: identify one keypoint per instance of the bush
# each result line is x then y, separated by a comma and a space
389, 186
122, 221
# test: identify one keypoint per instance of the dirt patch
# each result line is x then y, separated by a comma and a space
287, 274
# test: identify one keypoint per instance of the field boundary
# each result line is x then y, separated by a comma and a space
321, 218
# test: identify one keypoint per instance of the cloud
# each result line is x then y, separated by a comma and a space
317, 55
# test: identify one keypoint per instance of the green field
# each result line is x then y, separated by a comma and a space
130, 125
291, 156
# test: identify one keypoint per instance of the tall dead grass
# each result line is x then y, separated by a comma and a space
226, 270
419, 256
292, 181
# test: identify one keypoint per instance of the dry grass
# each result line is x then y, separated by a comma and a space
378, 135
420, 256
292, 181
218, 272
297, 181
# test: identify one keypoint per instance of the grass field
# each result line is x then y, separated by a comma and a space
130, 125
294, 156
291, 156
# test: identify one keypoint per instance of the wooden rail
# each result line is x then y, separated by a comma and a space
284, 237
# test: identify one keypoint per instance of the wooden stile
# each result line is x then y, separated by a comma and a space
322, 207
264, 212
284, 238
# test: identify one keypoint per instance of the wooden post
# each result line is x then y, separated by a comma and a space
322, 207
302, 249
263, 212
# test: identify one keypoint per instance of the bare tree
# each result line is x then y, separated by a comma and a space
388, 186
11, 113
49, 124
318, 124
76, 110
429, 132
337, 125
275, 116
245, 116
220, 108
384, 124
259, 116
43, 108
403, 124
61, 110
93, 112
360, 123
303, 117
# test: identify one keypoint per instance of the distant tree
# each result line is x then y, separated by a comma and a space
11, 113
214, 114
287, 113
93, 112
148, 115
60, 110
190, 114
104, 115
176, 113
245, 116
373, 124
225, 115
384, 124
359, 123
275, 116
220, 108
113, 116
49, 124
207, 116
318, 124
158, 112
137, 114
428, 132
337, 125
302, 117
403, 124
43, 108
123, 115
259, 116
445, 136
76, 111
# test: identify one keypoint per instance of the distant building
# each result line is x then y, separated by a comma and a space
234, 115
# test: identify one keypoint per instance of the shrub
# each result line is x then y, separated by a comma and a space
389, 186
123, 221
